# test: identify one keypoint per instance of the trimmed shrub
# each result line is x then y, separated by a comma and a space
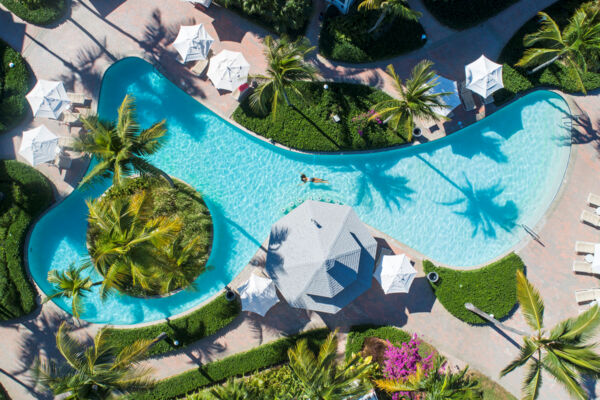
358, 334
26, 194
203, 322
37, 12
462, 14
261, 357
492, 288
3, 394
14, 85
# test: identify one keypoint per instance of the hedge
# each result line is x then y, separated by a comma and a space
47, 12
492, 288
308, 124
462, 14
264, 356
14, 85
3, 394
203, 322
345, 37
556, 75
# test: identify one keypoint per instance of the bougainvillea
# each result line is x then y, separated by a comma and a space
363, 120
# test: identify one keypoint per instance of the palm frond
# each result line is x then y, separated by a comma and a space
532, 306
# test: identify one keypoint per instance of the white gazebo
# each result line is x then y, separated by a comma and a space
193, 43
483, 76
258, 295
445, 85
228, 70
39, 145
395, 273
48, 99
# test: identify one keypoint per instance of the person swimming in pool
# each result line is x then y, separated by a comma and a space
305, 179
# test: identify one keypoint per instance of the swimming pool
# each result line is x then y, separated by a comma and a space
460, 200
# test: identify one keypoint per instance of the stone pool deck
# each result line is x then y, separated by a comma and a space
96, 33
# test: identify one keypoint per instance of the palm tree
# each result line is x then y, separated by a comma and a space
233, 389
321, 378
127, 242
121, 147
416, 99
578, 42
398, 8
71, 284
286, 65
94, 372
563, 352
435, 385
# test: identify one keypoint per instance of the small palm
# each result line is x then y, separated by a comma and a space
232, 390
70, 284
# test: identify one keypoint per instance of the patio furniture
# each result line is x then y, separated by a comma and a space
466, 97
192, 43
586, 295
483, 77
590, 218
48, 99
63, 161
228, 70
584, 247
77, 99
38, 145
593, 200
199, 68
582, 267
241, 92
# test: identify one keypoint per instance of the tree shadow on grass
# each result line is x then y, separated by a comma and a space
310, 121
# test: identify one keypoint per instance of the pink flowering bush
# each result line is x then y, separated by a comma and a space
363, 120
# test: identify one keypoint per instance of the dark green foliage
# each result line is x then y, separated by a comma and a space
556, 75
278, 16
358, 334
203, 322
260, 357
3, 394
462, 14
26, 194
14, 85
38, 12
346, 38
309, 126
492, 288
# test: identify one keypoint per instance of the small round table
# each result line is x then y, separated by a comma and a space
598, 211
589, 258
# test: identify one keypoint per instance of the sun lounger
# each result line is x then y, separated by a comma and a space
585, 247
593, 200
70, 118
582, 267
466, 97
63, 161
590, 218
585, 295
77, 99
199, 68
241, 92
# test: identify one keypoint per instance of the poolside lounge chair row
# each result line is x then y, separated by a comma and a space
587, 297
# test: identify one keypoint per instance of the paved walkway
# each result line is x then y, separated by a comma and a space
96, 33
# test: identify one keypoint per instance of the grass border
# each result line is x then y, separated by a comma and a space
42, 16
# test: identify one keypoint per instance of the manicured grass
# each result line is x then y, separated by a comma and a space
261, 357
462, 14
203, 322
491, 288
491, 389
309, 126
556, 75
46, 13
26, 194
14, 85
345, 37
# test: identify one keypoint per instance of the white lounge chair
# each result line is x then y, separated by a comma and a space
585, 295
590, 218
593, 200
77, 99
582, 267
466, 96
199, 68
585, 247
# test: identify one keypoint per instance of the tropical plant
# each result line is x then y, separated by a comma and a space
417, 99
232, 389
576, 45
95, 372
436, 383
563, 352
121, 147
321, 378
71, 284
396, 8
402, 361
286, 65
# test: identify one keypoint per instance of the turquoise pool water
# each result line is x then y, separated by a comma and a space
460, 201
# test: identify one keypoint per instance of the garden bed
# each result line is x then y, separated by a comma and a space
492, 288
27, 193
14, 85
463, 14
308, 125
45, 13
345, 37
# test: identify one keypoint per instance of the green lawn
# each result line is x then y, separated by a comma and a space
345, 37
27, 194
14, 85
309, 126
492, 288
462, 14
517, 79
47, 12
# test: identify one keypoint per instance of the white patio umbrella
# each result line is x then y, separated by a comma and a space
48, 99
484, 77
258, 295
445, 85
395, 273
193, 43
39, 145
228, 70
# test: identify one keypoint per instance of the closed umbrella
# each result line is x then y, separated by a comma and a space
193, 43
395, 273
228, 70
48, 99
39, 145
445, 85
258, 295
484, 77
